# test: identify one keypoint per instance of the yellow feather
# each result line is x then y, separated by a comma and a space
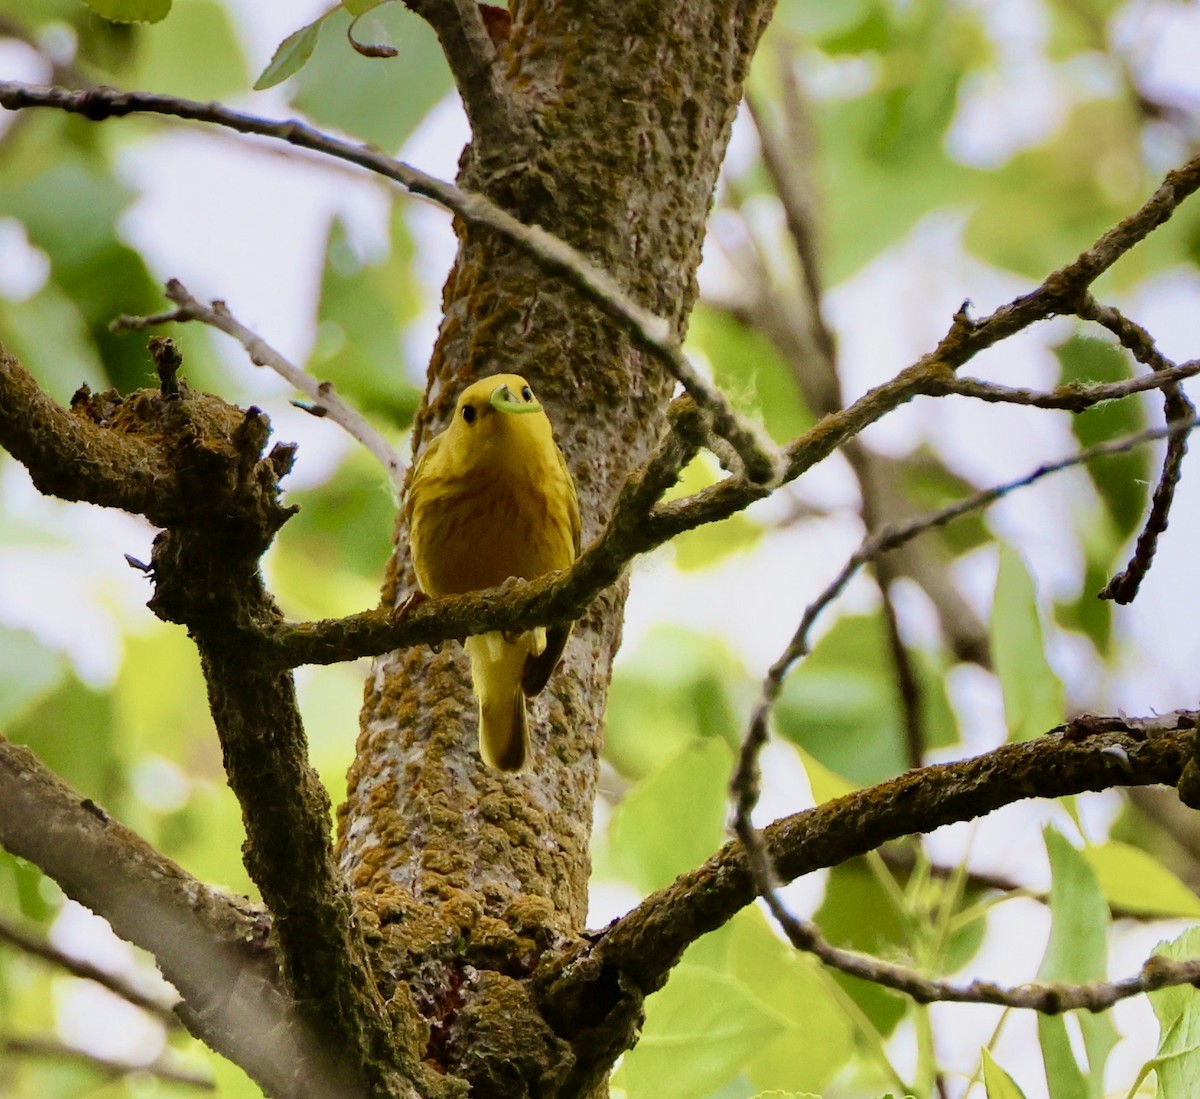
491, 498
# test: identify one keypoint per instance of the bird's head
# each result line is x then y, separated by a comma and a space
487, 407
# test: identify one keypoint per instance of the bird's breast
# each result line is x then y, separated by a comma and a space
476, 530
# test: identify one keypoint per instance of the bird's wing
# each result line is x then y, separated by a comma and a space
538, 668
424, 464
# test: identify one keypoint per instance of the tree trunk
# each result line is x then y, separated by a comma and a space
464, 877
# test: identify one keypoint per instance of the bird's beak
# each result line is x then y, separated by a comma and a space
504, 401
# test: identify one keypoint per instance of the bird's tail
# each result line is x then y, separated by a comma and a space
497, 665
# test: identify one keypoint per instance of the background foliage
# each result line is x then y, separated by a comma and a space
961, 150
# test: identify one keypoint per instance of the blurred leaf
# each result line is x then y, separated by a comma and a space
931, 486
1177, 1063
1033, 695
820, 1036
998, 1083
1135, 881
747, 365
683, 679
1087, 613
343, 532
842, 704
826, 784
68, 209
1120, 479
196, 53
131, 11
377, 100
358, 7
673, 820
362, 310
1076, 953
706, 545
858, 914
699, 1030
819, 22
72, 731
291, 54
50, 337
27, 671
1050, 202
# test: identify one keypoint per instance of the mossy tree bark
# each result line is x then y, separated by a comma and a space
469, 878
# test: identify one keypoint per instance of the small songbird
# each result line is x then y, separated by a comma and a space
490, 499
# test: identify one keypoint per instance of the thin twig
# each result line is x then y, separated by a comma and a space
1049, 998
51, 1048
1123, 587
1074, 396
651, 332
40, 948
745, 788
891, 538
326, 401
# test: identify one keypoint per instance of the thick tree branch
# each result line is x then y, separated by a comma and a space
649, 331
643, 945
215, 952
325, 400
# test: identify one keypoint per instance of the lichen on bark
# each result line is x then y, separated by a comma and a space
624, 113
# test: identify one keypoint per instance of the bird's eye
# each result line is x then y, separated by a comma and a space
527, 393
468, 413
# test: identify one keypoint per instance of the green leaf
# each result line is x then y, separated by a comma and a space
73, 732
1050, 202
820, 1037
1120, 479
712, 542
998, 1083
27, 671
841, 704
48, 334
1076, 953
684, 679
196, 54
291, 54
675, 819
1033, 694
931, 486
131, 11
1135, 881
363, 308
699, 1031
858, 914
748, 365
360, 7
1177, 1063
377, 100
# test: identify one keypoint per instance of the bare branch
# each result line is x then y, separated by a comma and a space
649, 331
325, 400
1048, 998
38, 947
891, 538
1073, 397
1123, 587
644, 944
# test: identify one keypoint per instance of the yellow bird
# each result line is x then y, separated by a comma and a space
491, 498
